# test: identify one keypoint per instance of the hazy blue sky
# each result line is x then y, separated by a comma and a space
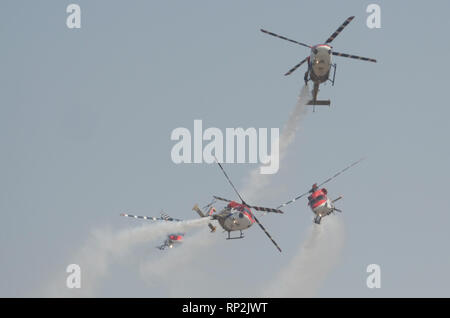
86, 117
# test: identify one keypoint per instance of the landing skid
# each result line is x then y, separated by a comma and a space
334, 74
317, 219
235, 238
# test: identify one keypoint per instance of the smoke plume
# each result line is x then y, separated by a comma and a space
181, 272
316, 258
257, 183
106, 247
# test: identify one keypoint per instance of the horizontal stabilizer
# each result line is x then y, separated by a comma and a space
212, 227
202, 215
319, 103
197, 209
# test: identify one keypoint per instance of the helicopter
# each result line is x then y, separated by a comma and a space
318, 200
320, 62
173, 239
237, 216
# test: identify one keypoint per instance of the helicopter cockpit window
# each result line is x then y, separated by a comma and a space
315, 200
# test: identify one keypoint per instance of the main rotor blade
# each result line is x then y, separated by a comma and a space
209, 204
296, 66
328, 180
229, 180
339, 30
354, 57
293, 200
267, 233
169, 219
260, 208
338, 173
222, 199
284, 38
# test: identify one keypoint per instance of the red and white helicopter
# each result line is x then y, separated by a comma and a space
238, 216
173, 239
318, 200
320, 62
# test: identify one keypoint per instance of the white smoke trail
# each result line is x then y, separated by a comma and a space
181, 272
256, 183
288, 134
106, 247
316, 258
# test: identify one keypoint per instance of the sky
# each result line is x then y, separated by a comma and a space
86, 117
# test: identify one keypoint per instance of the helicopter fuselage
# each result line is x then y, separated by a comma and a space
320, 204
320, 63
235, 217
